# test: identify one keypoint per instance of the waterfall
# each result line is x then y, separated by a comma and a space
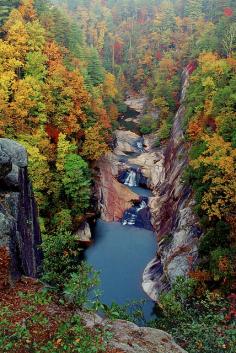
131, 179
138, 215
140, 146
142, 205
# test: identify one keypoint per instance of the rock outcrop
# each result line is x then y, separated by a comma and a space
19, 228
113, 198
136, 103
129, 338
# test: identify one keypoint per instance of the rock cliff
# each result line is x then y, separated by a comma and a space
19, 228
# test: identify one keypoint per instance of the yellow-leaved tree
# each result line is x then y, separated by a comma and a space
219, 160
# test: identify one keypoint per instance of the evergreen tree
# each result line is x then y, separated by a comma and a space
95, 69
193, 9
5, 8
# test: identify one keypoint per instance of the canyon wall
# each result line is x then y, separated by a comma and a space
173, 218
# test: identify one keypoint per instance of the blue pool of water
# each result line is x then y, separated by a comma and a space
141, 191
121, 253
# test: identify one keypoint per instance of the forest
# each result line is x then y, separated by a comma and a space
66, 69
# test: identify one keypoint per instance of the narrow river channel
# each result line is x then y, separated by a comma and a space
121, 250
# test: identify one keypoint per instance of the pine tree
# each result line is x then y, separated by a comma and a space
193, 9
95, 69
5, 8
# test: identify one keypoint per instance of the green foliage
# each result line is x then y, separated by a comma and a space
68, 334
95, 70
62, 221
80, 283
131, 311
76, 182
148, 124
61, 257
194, 9
165, 130
214, 238
5, 7
197, 322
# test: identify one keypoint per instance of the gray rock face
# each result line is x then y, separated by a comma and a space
15, 151
19, 228
5, 163
129, 338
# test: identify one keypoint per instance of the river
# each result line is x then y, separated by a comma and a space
121, 250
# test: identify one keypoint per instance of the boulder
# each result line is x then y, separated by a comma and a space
152, 167
126, 142
130, 338
136, 103
83, 234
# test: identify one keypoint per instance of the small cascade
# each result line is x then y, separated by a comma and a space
131, 179
140, 146
139, 215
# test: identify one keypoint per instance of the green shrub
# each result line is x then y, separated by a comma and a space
148, 124
79, 285
62, 221
214, 238
197, 322
131, 311
61, 257
165, 130
76, 181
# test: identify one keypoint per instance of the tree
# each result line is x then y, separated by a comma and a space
229, 41
5, 7
95, 70
193, 9
94, 145
219, 161
16, 34
64, 148
76, 183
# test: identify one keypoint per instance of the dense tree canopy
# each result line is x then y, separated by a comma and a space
65, 68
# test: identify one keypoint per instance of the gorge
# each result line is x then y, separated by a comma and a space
162, 216
117, 154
